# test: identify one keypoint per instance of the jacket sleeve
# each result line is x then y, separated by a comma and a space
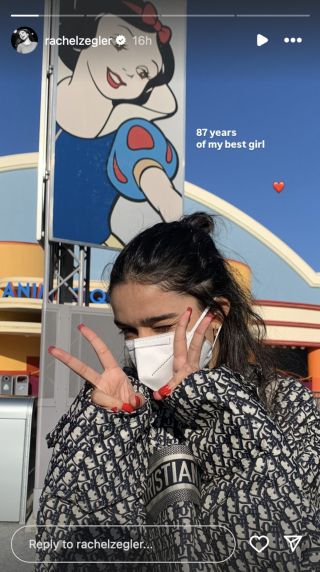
98, 475
98, 469
255, 482
295, 410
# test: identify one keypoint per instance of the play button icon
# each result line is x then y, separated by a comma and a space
261, 40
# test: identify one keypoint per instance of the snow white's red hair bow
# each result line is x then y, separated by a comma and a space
150, 17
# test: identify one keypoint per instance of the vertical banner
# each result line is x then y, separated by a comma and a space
119, 105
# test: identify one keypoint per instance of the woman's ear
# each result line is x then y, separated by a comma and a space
224, 302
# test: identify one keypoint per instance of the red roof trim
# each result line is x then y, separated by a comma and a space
19, 242
292, 343
292, 324
297, 305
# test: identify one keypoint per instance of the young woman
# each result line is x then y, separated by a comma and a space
120, 165
200, 434
26, 41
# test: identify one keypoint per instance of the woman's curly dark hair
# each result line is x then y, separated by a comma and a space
182, 257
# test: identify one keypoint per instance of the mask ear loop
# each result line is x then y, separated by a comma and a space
216, 334
217, 328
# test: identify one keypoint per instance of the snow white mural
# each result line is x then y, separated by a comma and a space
114, 166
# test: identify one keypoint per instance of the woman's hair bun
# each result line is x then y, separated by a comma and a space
199, 221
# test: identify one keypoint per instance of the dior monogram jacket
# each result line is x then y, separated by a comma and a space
220, 482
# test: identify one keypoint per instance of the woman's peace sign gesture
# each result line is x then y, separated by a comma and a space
112, 388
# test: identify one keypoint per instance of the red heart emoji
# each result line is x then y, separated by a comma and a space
278, 186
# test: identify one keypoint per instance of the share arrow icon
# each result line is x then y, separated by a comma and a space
293, 541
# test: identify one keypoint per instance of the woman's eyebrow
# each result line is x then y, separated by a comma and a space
153, 319
125, 28
154, 61
148, 321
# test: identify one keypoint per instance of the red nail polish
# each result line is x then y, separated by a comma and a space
138, 400
115, 409
127, 407
164, 391
80, 327
50, 348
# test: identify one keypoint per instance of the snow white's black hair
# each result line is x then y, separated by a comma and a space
86, 27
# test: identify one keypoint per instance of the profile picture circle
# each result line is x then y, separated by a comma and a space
24, 40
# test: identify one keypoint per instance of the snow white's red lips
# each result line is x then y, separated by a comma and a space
114, 79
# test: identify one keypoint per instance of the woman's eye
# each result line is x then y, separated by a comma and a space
119, 48
163, 328
128, 335
143, 73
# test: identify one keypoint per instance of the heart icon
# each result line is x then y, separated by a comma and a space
262, 540
278, 186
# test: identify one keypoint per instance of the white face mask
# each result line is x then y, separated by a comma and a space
153, 355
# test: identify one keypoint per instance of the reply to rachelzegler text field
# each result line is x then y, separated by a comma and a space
87, 545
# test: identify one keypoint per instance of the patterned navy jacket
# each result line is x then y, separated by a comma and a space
232, 479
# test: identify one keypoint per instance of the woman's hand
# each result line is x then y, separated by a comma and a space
113, 389
185, 360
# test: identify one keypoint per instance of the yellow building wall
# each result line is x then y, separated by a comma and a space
20, 316
314, 369
241, 273
21, 259
15, 349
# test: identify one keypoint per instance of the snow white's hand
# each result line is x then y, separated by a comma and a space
112, 388
186, 361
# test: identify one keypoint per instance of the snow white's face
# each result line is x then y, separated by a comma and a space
122, 71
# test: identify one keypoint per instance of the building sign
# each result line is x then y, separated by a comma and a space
34, 290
